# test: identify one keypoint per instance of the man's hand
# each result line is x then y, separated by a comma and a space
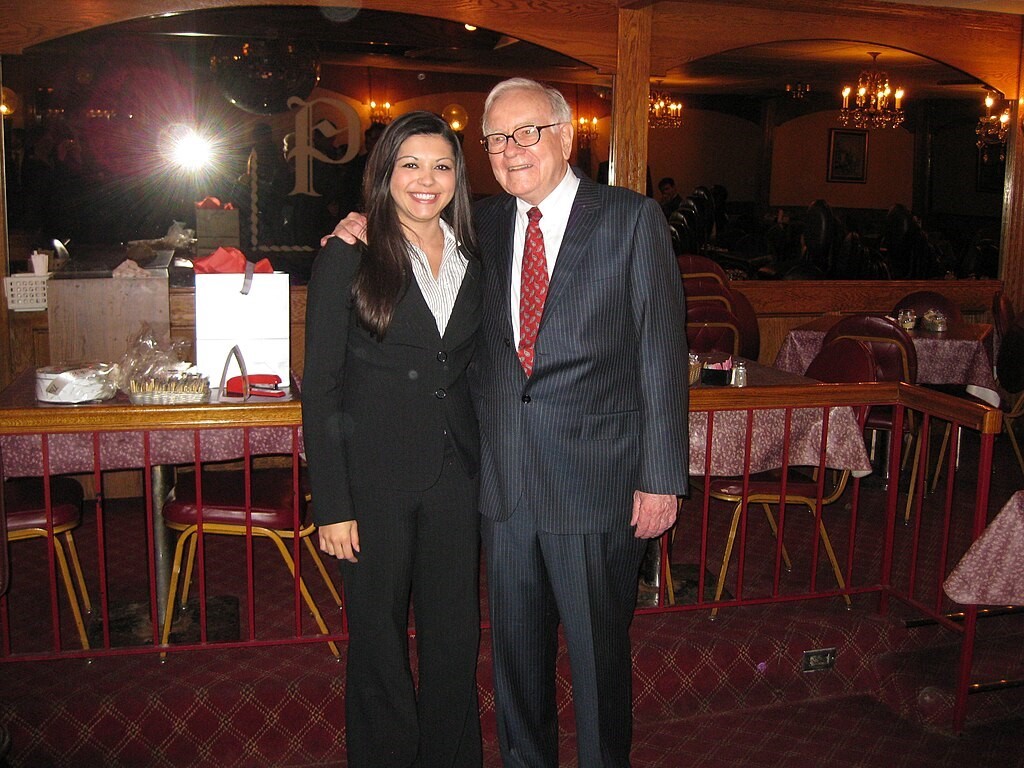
350, 229
653, 513
340, 540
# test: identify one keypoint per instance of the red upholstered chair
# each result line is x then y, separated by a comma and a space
1010, 374
693, 266
711, 327
706, 289
895, 360
26, 519
224, 513
750, 331
922, 301
842, 361
1003, 316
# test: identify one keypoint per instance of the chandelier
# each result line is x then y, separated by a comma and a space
876, 105
992, 130
663, 112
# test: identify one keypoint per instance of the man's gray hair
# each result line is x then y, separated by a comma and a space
560, 111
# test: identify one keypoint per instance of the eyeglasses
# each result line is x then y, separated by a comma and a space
523, 136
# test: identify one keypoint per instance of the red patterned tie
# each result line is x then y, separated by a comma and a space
533, 290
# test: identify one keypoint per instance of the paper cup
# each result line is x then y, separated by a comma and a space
40, 263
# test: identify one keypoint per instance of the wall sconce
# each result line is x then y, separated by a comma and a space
380, 113
992, 129
456, 117
586, 131
10, 102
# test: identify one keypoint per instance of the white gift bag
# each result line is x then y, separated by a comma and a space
256, 322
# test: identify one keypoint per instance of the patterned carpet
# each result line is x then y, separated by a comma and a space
721, 693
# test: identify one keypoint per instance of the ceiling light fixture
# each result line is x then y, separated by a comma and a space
876, 105
663, 111
992, 129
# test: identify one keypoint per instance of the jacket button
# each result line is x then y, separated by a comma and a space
508, 342
440, 394
442, 357
526, 399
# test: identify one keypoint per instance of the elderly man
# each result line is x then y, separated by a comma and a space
582, 401
582, 408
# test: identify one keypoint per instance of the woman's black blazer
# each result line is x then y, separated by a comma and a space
378, 413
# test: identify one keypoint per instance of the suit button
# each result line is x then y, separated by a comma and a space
508, 342
440, 394
526, 399
442, 357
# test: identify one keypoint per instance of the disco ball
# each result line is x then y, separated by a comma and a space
260, 76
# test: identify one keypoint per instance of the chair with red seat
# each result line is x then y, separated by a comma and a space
1003, 316
711, 327
750, 331
895, 360
25, 506
703, 289
845, 360
224, 513
692, 265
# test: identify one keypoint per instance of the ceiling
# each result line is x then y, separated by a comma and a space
352, 37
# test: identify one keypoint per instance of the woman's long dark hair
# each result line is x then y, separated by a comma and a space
384, 271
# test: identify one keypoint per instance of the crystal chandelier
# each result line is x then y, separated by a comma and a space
992, 130
876, 105
663, 112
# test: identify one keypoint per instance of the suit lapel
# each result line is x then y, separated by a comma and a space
579, 231
466, 313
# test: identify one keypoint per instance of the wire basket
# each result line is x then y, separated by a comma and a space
26, 293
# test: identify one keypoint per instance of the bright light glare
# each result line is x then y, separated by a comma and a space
191, 151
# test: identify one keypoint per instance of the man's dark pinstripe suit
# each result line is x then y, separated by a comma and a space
603, 414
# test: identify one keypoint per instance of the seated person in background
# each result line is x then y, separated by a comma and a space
669, 197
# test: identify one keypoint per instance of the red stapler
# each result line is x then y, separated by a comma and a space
260, 385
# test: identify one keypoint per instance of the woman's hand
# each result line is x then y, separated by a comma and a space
350, 229
340, 540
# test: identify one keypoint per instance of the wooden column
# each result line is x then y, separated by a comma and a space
1011, 241
630, 92
6, 371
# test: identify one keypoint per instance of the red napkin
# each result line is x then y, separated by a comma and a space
227, 261
213, 203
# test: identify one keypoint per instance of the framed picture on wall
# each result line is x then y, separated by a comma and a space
848, 156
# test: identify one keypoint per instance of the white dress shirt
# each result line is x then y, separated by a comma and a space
554, 211
440, 294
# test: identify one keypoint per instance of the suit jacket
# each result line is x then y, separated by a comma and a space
605, 411
380, 413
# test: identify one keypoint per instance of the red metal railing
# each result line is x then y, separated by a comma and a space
878, 554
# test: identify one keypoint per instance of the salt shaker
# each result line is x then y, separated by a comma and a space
739, 373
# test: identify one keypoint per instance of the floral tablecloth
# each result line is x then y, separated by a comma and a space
992, 571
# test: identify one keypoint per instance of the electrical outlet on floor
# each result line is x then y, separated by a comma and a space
819, 659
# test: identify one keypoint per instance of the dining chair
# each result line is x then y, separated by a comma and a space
693, 266
1003, 316
922, 301
683, 228
25, 506
711, 327
750, 331
1010, 375
895, 360
224, 513
699, 289
843, 361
